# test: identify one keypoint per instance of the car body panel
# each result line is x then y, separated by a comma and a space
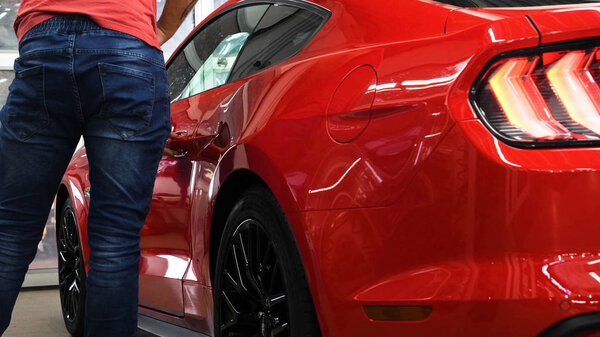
567, 23
554, 23
424, 207
166, 240
483, 239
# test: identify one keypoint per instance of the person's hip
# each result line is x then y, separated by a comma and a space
81, 35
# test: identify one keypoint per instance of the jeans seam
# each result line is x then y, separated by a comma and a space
106, 68
121, 53
93, 51
72, 38
38, 53
44, 107
31, 34
151, 79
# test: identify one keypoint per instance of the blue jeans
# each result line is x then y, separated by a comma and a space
75, 78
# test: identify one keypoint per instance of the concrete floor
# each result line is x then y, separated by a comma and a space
38, 313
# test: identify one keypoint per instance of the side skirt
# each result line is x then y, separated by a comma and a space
165, 329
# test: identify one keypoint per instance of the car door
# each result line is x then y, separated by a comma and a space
198, 76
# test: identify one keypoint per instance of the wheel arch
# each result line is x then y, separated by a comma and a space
240, 168
235, 184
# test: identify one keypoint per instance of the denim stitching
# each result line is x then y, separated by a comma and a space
72, 22
103, 74
96, 32
43, 52
82, 25
94, 51
73, 79
44, 107
122, 53
107, 67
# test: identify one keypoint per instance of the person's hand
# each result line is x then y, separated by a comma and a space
169, 151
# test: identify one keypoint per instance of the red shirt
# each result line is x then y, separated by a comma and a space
133, 17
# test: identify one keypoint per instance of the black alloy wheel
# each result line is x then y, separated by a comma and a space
253, 292
260, 283
71, 271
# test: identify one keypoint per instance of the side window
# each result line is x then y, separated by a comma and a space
207, 59
282, 33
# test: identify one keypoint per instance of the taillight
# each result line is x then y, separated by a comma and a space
542, 99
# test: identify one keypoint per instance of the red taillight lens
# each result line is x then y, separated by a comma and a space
545, 99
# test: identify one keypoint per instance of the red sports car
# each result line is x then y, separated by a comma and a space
372, 168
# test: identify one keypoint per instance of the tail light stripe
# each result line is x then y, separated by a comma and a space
557, 107
576, 88
543, 99
522, 102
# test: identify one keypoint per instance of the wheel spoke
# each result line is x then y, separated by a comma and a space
70, 275
229, 304
67, 257
259, 264
253, 297
67, 306
68, 278
65, 296
62, 243
232, 281
277, 299
66, 231
73, 306
279, 329
251, 279
233, 322
274, 276
238, 270
269, 252
230, 324
265, 266
239, 264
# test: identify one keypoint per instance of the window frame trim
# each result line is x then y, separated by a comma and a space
323, 12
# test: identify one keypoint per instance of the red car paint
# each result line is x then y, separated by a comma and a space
414, 203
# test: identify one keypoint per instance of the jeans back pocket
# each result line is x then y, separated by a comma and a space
26, 111
128, 98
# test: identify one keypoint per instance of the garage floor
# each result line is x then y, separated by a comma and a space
37, 313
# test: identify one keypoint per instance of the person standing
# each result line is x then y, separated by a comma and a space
91, 68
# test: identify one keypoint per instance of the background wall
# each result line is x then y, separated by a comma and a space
42, 271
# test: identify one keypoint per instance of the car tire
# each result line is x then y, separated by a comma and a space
260, 286
71, 271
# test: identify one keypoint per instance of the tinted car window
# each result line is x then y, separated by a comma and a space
513, 3
207, 59
282, 32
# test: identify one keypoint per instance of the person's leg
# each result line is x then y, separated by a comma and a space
39, 130
126, 105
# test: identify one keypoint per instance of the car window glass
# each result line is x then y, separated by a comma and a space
207, 59
282, 33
